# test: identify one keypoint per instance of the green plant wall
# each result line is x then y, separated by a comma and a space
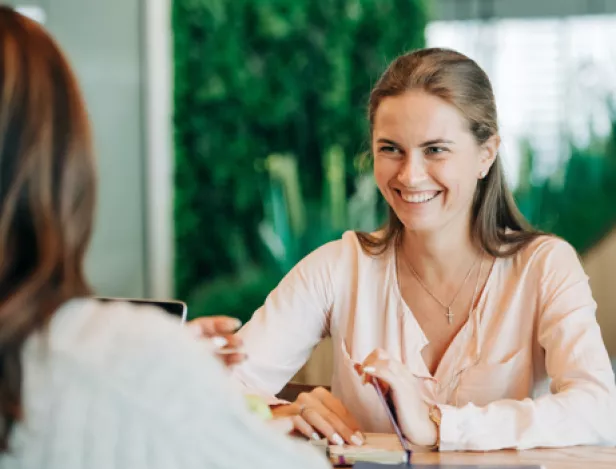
578, 202
256, 78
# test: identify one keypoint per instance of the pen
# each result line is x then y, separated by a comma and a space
392, 418
221, 346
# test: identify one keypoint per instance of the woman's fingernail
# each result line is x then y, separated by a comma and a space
219, 342
237, 323
337, 439
316, 436
369, 369
356, 440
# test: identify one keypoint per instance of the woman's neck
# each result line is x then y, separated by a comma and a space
438, 258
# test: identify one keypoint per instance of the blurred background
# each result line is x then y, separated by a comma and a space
232, 137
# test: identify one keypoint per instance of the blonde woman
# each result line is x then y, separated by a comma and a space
482, 329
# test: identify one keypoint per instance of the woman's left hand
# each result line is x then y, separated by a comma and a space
412, 410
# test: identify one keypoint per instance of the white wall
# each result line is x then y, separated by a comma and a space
477, 9
103, 40
120, 50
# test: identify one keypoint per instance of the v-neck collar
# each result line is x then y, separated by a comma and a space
470, 329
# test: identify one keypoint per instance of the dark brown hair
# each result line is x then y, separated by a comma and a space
47, 187
497, 226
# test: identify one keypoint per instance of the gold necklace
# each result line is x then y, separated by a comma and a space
449, 313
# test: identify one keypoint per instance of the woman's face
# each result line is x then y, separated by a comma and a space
426, 161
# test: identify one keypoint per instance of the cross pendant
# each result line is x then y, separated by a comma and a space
449, 315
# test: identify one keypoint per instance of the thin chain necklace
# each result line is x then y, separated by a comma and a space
449, 313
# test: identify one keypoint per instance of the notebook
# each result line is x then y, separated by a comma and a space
368, 465
383, 448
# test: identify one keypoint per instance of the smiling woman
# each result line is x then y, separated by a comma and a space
428, 181
481, 329
435, 110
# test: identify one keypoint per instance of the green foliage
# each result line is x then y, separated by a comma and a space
236, 295
259, 78
294, 227
576, 203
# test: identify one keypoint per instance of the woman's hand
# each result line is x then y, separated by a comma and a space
319, 413
221, 329
412, 410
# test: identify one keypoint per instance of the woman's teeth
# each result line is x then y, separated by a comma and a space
419, 197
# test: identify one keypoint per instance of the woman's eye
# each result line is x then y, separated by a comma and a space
388, 149
435, 150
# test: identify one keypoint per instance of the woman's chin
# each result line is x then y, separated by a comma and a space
420, 226
419, 220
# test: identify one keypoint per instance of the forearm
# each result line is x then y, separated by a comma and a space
580, 416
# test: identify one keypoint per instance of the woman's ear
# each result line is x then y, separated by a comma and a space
489, 150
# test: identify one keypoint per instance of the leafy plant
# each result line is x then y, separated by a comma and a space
258, 78
577, 202
292, 228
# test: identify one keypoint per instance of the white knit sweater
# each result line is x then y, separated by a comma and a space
121, 386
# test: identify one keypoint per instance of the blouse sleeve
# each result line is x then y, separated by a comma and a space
581, 408
295, 317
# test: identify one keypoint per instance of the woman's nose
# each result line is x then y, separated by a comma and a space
413, 171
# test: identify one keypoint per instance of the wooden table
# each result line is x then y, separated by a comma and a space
581, 457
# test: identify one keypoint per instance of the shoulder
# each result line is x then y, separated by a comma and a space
90, 326
134, 352
348, 246
341, 255
551, 266
547, 253
134, 377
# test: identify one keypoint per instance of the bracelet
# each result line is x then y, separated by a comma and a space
435, 416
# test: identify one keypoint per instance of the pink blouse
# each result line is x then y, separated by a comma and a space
528, 369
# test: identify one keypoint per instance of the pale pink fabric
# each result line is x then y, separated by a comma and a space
529, 368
